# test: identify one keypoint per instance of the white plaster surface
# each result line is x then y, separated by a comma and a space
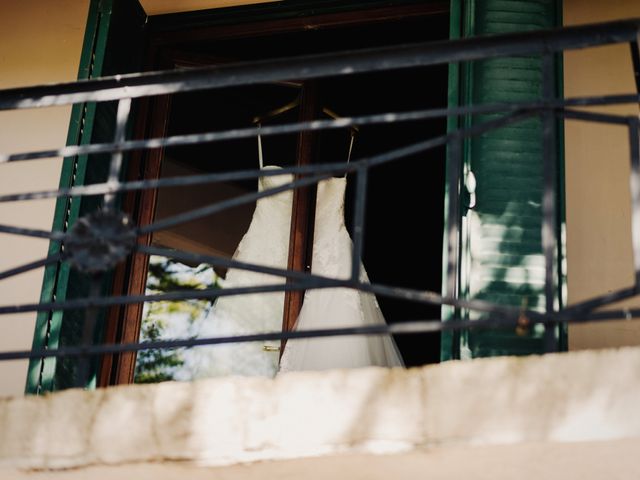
584, 399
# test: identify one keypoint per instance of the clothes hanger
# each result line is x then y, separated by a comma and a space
293, 104
354, 129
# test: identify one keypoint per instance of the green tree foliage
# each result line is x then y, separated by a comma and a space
163, 320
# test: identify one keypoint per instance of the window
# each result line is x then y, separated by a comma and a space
412, 234
396, 235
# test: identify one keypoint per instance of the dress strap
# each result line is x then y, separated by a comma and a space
353, 137
260, 157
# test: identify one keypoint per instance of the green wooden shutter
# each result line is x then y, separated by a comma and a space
112, 44
501, 257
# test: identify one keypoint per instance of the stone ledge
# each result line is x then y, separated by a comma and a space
585, 396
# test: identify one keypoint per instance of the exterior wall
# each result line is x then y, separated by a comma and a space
599, 253
158, 7
40, 42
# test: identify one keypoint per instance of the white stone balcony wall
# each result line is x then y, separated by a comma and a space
572, 415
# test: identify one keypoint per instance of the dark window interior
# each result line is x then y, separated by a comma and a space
404, 221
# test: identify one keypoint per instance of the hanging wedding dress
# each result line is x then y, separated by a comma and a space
335, 308
266, 243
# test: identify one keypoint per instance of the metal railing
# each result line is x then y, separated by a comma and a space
123, 234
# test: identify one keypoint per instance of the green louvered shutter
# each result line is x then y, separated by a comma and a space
112, 44
501, 258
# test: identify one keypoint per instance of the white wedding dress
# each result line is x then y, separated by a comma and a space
339, 307
266, 243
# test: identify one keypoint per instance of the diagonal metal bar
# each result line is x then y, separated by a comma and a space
586, 306
226, 263
317, 66
330, 168
609, 315
311, 279
182, 181
168, 297
30, 266
31, 232
367, 162
314, 282
227, 204
594, 116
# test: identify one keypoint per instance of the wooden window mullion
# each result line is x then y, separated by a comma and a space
303, 209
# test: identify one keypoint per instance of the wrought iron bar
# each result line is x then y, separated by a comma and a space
31, 232
314, 282
224, 262
227, 204
586, 306
81, 303
331, 168
182, 181
364, 163
324, 65
381, 118
402, 328
597, 117
310, 279
30, 266
131, 86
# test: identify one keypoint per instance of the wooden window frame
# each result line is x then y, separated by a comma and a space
124, 322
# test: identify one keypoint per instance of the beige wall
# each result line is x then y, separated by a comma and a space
599, 253
157, 7
40, 42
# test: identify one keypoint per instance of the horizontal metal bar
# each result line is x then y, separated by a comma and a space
401, 328
315, 125
316, 66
